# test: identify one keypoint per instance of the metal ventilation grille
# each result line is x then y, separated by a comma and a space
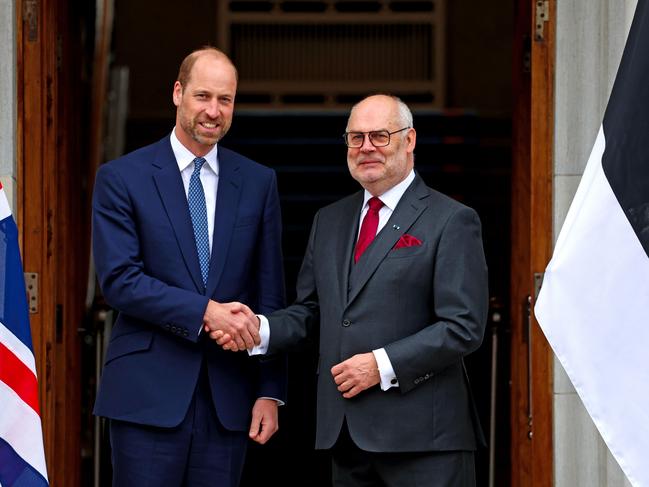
316, 53
293, 54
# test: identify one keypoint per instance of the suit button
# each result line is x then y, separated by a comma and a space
346, 322
427, 376
417, 380
185, 333
167, 326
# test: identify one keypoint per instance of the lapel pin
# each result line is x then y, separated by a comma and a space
396, 227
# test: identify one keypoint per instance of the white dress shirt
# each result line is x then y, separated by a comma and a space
390, 200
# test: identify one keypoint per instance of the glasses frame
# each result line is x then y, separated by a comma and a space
369, 136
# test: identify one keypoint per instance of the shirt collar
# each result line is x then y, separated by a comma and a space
392, 196
184, 156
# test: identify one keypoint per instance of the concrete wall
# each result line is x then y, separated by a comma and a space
8, 99
590, 40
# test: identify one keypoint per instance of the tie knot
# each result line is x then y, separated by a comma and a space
375, 204
198, 164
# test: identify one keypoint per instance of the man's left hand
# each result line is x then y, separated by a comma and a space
356, 374
264, 422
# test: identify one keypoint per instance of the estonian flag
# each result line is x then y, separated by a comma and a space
22, 461
594, 302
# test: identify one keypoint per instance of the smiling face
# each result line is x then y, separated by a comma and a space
378, 169
204, 106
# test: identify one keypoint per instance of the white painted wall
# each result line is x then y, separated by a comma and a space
8, 98
590, 41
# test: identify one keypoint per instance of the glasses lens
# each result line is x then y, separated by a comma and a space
380, 138
354, 139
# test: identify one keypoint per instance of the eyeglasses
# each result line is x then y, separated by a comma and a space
378, 138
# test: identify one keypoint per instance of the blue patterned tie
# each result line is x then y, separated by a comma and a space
198, 213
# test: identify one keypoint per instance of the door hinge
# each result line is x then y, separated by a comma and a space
31, 284
542, 16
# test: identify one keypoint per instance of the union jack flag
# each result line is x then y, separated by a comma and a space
22, 458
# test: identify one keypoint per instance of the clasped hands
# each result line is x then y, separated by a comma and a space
232, 325
235, 327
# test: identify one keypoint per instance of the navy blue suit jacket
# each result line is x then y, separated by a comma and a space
147, 265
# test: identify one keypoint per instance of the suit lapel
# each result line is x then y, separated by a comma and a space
171, 190
227, 207
345, 238
409, 208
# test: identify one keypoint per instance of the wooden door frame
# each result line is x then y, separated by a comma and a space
50, 202
533, 129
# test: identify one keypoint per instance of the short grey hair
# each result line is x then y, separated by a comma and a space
405, 115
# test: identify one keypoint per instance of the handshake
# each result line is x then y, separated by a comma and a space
231, 325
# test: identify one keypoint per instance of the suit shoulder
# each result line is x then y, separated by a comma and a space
445, 203
138, 157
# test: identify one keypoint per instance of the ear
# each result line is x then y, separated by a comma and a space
177, 93
411, 140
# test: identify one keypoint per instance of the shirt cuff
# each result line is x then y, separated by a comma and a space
278, 401
264, 334
388, 377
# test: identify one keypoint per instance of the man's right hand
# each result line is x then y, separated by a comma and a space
235, 320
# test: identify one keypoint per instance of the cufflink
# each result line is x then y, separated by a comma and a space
393, 382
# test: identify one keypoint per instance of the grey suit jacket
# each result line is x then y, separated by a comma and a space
426, 305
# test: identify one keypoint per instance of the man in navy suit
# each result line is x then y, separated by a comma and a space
182, 228
395, 279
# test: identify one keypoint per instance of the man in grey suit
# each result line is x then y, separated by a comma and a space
395, 278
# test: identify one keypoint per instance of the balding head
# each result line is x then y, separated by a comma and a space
403, 113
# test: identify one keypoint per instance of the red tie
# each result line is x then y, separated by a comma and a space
368, 227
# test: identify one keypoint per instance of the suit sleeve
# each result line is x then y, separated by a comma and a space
293, 326
460, 305
271, 291
121, 270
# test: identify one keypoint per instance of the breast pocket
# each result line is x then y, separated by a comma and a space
405, 252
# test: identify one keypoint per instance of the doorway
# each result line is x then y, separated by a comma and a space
464, 150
